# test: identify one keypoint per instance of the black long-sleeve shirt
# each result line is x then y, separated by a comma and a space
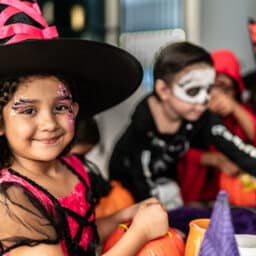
143, 151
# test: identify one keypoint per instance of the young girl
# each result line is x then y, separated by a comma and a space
171, 120
46, 202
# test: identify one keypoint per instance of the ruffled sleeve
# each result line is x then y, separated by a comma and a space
25, 219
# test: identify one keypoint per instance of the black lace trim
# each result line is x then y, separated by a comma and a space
72, 245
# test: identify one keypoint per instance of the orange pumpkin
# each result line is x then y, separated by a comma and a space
238, 195
118, 198
171, 244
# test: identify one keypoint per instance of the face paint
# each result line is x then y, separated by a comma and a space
63, 92
194, 86
19, 106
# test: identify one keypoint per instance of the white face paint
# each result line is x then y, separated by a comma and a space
194, 86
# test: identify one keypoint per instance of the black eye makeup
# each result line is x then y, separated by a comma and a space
23, 107
193, 91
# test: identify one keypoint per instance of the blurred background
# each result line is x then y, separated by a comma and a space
142, 27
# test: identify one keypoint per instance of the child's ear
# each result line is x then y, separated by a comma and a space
162, 89
75, 108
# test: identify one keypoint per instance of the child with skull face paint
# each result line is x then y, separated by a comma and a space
226, 101
208, 170
171, 120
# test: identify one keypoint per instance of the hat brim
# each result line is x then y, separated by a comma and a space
105, 75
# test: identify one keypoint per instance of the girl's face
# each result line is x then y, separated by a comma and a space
188, 95
38, 121
225, 84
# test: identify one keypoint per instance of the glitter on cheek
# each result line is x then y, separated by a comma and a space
71, 109
71, 119
63, 92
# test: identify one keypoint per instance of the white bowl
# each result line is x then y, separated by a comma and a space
246, 244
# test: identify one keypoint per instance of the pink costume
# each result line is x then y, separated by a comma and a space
68, 220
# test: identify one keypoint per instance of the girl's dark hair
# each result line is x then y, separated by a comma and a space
175, 57
87, 132
8, 87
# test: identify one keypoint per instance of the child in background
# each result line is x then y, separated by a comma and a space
208, 168
237, 115
46, 202
109, 196
171, 120
226, 96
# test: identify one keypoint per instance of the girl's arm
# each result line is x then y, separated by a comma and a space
149, 221
220, 161
106, 225
128, 245
24, 224
38, 250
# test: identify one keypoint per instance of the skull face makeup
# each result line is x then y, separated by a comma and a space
194, 86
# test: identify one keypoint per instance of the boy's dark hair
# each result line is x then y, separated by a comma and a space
175, 57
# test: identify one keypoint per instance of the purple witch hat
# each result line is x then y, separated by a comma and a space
219, 238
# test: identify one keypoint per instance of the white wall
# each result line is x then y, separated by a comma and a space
224, 24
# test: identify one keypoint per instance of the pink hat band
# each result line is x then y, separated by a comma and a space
14, 32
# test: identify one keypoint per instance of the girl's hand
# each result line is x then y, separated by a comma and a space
226, 165
151, 219
220, 103
220, 161
107, 224
127, 214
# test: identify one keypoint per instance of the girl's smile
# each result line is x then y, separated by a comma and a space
49, 141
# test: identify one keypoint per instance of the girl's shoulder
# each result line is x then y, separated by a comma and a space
10, 176
77, 165
13, 182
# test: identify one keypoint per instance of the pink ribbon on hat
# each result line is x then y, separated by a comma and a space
10, 11
33, 11
19, 31
29, 30
47, 33
6, 14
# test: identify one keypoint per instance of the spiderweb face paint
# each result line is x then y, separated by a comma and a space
194, 86
19, 106
64, 92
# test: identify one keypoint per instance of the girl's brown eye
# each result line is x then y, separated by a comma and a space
193, 91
